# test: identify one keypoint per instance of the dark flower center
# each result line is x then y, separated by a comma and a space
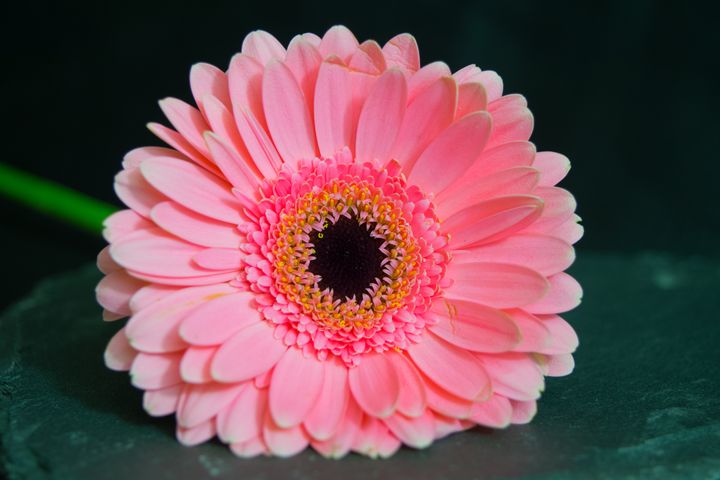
347, 258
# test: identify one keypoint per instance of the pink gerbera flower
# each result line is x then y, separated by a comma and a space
342, 250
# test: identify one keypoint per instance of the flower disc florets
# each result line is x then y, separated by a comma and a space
360, 211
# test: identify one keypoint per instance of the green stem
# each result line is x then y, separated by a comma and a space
54, 199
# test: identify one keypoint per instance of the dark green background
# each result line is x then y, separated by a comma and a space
624, 88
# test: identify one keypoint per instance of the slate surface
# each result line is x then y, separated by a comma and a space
643, 401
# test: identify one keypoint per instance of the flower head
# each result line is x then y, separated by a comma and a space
342, 250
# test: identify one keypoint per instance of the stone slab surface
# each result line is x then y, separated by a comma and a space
643, 402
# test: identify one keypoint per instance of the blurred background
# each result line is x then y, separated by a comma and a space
624, 89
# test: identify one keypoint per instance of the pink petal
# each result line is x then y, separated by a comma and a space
114, 292
452, 368
303, 60
333, 109
245, 81
563, 338
188, 121
374, 52
411, 400
263, 47
402, 51
427, 115
381, 117
492, 82
362, 86
179, 143
450, 155
263, 380
195, 364
245, 85
150, 294
418, 432
136, 156
556, 365
338, 41
426, 77
505, 156
375, 385
287, 114
534, 335
466, 74
222, 123
471, 189
445, 426
512, 100
284, 442
296, 383
471, 98
514, 375
205, 279
559, 207
340, 443
248, 353
553, 167
121, 223
155, 252
445, 403
388, 444
368, 58
154, 329
560, 365
249, 448
119, 355
523, 412
512, 120
497, 285
545, 254
243, 419
135, 192
258, 143
492, 220
368, 436
105, 263
220, 259
162, 401
196, 435
474, 327
234, 165
150, 371
564, 295
326, 415
208, 80
312, 38
200, 403
195, 228
193, 188
494, 412
569, 231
